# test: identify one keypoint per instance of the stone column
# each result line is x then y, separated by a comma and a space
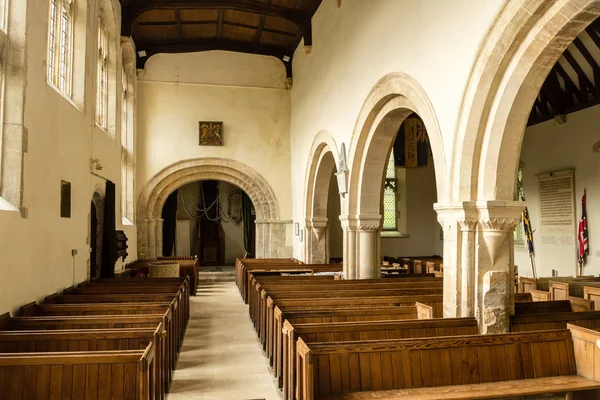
467, 279
142, 237
349, 237
260, 242
159, 237
316, 240
478, 260
152, 250
369, 235
278, 244
497, 221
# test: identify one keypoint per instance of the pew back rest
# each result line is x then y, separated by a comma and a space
319, 315
81, 322
33, 309
335, 368
383, 330
77, 340
536, 322
540, 307
77, 375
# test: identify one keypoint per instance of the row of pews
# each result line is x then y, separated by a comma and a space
385, 339
188, 267
104, 339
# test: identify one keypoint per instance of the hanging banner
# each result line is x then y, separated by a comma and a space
411, 148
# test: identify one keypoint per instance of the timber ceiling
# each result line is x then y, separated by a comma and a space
266, 27
574, 82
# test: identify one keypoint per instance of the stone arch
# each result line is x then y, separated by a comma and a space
322, 162
393, 98
270, 231
525, 41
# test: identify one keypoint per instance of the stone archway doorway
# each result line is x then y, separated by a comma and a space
270, 229
96, 234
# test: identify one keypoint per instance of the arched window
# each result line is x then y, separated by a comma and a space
107, 86
60, 45
390, 204
102, 76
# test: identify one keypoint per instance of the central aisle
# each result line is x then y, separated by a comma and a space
221, 358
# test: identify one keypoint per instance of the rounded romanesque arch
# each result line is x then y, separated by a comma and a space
270, 231
393, 98
322, 163
525, 41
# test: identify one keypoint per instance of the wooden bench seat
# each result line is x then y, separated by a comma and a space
326, 369
90, 340
81, 375
527, 284
359, 331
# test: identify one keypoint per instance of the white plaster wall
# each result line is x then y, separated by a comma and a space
36, 251
421, 220
434, 41
255, 118
548, 147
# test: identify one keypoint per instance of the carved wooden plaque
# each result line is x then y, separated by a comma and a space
211, 133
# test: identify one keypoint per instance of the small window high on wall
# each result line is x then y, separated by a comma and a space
107, 86
60, 45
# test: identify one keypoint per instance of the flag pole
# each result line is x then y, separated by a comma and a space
532, 265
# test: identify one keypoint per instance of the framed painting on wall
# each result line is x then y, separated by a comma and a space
211, 133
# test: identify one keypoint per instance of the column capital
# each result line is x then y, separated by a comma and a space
348, 222
368, 223
318, 226
498, 215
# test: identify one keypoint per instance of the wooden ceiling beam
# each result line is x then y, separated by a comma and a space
584, 82
570, 87
301, 18
592, 62
220, 25
216, 22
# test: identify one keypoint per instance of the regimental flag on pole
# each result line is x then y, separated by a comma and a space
582, 233
528, 231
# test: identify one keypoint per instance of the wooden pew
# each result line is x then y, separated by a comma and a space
560, 290
528, 284
259, 311
359, 331
164, 348
187, 268
523, 298
320, 315
176, 310
592, 293
272, 340
82, 340
80, 375
574, 304
278, 269
539, 295
479, 366
557, 320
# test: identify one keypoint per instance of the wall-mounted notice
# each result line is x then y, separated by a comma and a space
557, 218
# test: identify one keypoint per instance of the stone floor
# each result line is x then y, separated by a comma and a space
221, 358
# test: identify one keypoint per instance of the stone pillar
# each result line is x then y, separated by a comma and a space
152, 251
278, 238
316, 241
260, 243
142, 238
349, 236
159, 237
478, 260
466, 276
369, 235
